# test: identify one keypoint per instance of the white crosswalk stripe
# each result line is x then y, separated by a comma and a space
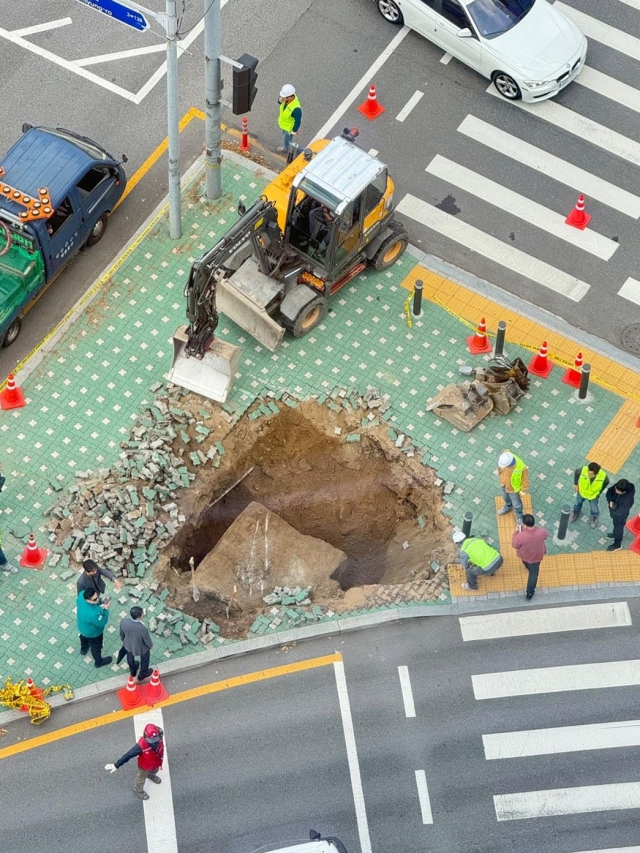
599, 31
631, 290
562, 801
561, 739
610, 88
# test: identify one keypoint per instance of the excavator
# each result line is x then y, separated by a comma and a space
318, 224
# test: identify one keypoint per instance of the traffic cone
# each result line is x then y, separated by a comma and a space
32, 556
635, 545
371, 108
154, 691
574, 374
633, 526
130, 696
35, 691
578, 217
540, 364
12, 396
479, 342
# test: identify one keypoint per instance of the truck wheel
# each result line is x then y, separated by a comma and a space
97, 232
391, 249
11, 335
311, 315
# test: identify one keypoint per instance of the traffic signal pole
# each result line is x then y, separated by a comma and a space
212, 48
173, 121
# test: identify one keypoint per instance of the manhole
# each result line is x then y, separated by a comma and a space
630, 338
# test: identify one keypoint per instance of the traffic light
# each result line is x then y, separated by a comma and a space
244, 84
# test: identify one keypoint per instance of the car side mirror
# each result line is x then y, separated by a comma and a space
465, 33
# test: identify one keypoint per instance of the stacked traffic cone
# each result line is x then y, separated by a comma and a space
479, 342
578, 217
154, 691
371, 108
574, 374
12, 396
35, 691
131, 695
633, 526
540, 364
32, 556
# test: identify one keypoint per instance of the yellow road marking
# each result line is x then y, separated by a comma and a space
184, 696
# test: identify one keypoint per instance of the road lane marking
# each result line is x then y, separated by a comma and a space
556, 679
362, 82
522, 207
177, 698
631, 290
407, 693
411, 103
120, 54
490, 247
601, 32
548, 164
352, 757
182, 45
636, 5
561, 739
446, 58
610, 88
557, 801
42, 28
159, 819
423, 796
582, 617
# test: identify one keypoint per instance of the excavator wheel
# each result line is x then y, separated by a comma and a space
309, 317
391, 249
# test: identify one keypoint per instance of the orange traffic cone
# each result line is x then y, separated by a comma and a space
130, 696
633, 526
540, 364
154, 691
479, 342
574, 374
35, 691
635, 545
32, 556
371, 108
578, 217
12, 396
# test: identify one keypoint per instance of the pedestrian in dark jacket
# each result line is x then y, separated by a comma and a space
136, 643
149, 751
93, 578
529, 545
620, 498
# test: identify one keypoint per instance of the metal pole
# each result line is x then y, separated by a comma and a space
417, 299
173, 121
499, 348
564, 521
212, 48
466, 523
584, 382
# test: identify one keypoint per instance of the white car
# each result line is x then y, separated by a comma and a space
526, 47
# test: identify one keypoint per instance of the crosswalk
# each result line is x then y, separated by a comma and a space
494, 199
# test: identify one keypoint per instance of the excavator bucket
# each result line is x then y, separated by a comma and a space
211, 376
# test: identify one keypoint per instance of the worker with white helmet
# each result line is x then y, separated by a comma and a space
477, 558
290, 117
514, 480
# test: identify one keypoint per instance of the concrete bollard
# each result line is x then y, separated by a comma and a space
417, 299
500, 335
466, 523
584, 382
564, 521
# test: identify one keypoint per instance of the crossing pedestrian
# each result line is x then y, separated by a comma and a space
620, 498
92, 616
93, 578
589, 482
290, 115
136, 643
529, 545
514, 481
149, 751
477, 558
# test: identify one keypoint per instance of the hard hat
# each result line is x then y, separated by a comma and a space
506, 459
153, 734
458, 537
287, 90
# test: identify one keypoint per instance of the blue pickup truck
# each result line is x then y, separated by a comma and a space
57, 190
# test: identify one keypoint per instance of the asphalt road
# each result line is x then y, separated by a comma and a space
264, 762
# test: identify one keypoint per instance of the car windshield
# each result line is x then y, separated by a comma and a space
494, 17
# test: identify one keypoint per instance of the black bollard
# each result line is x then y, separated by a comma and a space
417, 299
584, 382
466, 523
499, 347
564, 521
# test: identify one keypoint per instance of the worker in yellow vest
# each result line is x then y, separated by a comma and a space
290, 116
477, 558
588, 483
514, 480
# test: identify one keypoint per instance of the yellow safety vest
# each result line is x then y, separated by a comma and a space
479, 552
590, 489
285, 119
516, 475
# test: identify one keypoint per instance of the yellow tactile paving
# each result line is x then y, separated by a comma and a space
619, 439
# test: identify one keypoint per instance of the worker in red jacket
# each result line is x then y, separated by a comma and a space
149, 751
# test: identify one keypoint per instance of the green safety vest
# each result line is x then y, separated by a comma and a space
590, 489
479, 552
516, 475
285, 119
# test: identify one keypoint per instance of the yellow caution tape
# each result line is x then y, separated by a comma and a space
407, 312
18, 695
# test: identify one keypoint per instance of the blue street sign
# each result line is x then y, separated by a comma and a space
119, 12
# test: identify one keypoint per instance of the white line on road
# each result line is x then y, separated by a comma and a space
411, 103
561, 739
522, 207
407, 693
159, 74
636, 5
548, 164
42, 28
615, 849
120, 54
490, 247
582, 617
352, 758
159, 818
362, 82
604, 33
423, 796
631, 290
556, 679
446, 58
591, 798
610, 88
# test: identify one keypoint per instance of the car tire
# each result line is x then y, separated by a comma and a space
506, 86
11, 335
311, 315
391, 249
390, 12
97, 232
